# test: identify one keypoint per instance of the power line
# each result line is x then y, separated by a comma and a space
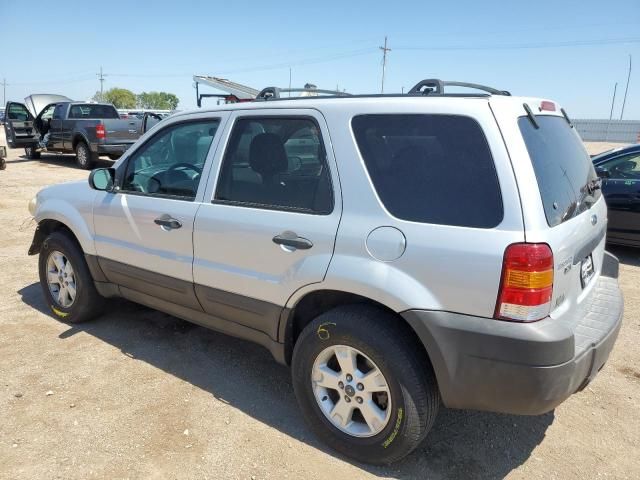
571, 43
384, 62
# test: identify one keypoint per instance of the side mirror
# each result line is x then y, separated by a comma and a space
102, 179
603, 172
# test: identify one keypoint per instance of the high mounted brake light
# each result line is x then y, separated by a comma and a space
548, 106
100, 132
527, 283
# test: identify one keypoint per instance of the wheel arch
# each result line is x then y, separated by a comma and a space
77, 138
313, 303
77, 229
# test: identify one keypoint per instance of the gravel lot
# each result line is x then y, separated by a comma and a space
139, 394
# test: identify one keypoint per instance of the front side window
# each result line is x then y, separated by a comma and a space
431, 168
626, 167
57, 113
276, 162
171, 162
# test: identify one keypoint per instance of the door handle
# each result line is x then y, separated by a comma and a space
292, 240
167, 222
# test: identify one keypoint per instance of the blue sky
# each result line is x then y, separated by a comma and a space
57, 47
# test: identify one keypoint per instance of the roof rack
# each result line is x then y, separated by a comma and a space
435, 86
310, 90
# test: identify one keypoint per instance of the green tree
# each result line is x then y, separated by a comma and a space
120, 97
158, 100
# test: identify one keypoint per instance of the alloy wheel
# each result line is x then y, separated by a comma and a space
351, 391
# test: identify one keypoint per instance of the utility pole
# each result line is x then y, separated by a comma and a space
624, 100
384, 61
613, 101
101, 78
4, 92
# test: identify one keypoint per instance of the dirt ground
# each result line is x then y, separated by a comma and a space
139, 394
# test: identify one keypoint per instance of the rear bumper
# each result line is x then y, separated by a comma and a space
528, 369
113, 149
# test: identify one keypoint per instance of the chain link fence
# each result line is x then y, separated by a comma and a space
615, 131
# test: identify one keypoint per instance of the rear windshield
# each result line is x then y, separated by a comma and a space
562, 166
431, 168
93, 111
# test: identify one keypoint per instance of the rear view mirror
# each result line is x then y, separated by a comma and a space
603, 172
102, 179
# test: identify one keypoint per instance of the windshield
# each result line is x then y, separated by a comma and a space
566, 178
93, 111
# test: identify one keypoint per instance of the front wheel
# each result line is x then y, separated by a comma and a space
65, 279
85, 158
363, 383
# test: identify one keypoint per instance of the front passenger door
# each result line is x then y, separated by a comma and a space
143, 232
18, 126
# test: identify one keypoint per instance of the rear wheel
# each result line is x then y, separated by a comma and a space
363, 384
65, 279
85, 158
31, 153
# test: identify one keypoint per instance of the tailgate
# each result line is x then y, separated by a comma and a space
572, 215
120, 131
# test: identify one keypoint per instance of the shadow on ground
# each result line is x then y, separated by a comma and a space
626, 255
462, 444
59, 160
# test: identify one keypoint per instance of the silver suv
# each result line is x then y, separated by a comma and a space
397, 251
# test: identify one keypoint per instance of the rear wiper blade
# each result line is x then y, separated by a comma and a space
530, 115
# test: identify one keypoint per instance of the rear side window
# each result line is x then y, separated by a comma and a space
563, 168
431, 168
276, 163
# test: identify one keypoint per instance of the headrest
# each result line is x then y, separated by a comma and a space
184, 145
267, 155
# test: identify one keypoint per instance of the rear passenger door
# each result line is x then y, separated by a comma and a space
268, 224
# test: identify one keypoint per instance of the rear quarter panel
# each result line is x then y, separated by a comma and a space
570, 241
443, 267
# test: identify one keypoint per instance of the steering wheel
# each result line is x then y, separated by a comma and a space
186, 165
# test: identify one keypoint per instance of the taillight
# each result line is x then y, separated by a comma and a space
527, 283
100, 133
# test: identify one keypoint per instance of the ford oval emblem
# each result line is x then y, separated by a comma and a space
594, 219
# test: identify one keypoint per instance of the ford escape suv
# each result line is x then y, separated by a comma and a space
397, 251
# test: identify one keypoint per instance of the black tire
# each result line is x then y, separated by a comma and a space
88, 302
85, 158
31, 153
390, 344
